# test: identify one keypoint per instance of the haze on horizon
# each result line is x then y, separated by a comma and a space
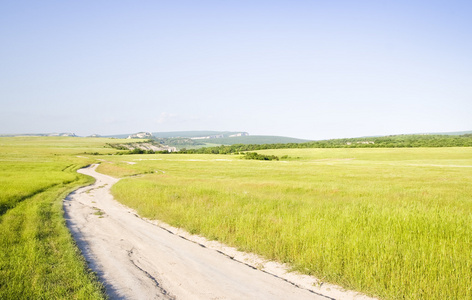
304, 69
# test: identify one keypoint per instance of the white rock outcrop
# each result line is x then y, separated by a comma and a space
140, 135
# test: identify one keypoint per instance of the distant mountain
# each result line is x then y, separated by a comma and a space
226, 137
212, 137
117, 136
63, 134
41, 134
185, 134
199, 134
257, 139
196, 139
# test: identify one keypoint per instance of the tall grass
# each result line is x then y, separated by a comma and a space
396, 223
38, 257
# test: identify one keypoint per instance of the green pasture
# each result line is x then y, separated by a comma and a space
38, 257
394, 223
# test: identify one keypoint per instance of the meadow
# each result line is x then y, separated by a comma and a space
393, 223
38, 257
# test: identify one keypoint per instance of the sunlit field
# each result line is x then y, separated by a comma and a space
38, 257
394, 223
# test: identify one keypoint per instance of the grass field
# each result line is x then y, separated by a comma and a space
38, 257
395, 223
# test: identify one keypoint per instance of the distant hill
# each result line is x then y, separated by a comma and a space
205, 138
70, 134
118, 136
199, 134
185, 134
213, 138
451, 133
257, 139
392, 141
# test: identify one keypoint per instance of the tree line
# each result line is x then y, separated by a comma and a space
394, 141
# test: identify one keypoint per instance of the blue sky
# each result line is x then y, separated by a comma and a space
306, 69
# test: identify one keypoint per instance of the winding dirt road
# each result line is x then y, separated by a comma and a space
136, 259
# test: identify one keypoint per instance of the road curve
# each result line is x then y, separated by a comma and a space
136, 259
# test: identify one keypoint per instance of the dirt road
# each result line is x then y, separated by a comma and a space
136, 259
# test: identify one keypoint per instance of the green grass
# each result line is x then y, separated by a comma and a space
38, 257
395, 223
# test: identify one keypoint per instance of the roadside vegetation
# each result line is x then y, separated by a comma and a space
38, 257
394, 223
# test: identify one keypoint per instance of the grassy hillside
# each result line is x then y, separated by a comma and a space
395, 223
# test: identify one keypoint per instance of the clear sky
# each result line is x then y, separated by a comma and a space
306, 69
